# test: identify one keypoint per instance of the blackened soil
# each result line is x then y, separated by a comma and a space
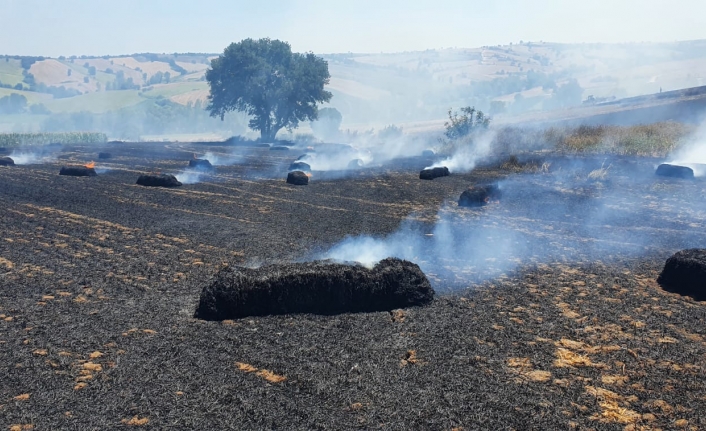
99, 280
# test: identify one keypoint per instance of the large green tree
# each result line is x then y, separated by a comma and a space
265, 79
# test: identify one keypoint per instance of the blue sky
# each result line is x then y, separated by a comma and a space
97, 27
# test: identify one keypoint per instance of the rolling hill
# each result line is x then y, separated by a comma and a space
373, 90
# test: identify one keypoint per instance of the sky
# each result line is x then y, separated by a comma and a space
100, 27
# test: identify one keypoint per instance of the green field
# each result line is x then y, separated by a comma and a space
31, 96
100, 102
10, 71
174, 89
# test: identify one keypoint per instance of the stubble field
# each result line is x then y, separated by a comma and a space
547, 315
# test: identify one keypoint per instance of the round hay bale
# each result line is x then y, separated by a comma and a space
430, 174
279, 148
105, 156
200, 164
158, 180
300, 166
6, 161
685, 273
478, 196
355, 164
318, 287
298, 178
428, 153
77, 171
303, 157
674, 171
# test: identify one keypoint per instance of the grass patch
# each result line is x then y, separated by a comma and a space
658, 139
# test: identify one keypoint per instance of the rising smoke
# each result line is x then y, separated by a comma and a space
693, 154
542, 218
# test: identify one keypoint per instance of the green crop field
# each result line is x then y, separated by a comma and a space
10, 71
100, 102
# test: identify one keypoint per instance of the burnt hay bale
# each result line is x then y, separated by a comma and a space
303, 157
279, 148
674, 171
158, 180
298, 178
104, 156
355, 164
6, 161
428, 153
318, 287
200, 164
430, 174
300, 166
685, 273
78, 171
480, 195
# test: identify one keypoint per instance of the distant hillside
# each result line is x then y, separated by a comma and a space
373, 90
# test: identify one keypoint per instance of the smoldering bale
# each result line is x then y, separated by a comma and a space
318, 287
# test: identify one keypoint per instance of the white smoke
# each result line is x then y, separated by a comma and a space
23, 157
221, 160
693, 154
467, 153
189, 176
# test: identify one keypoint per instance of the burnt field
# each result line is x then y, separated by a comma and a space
547, 314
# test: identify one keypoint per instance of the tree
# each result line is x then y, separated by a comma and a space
274, 86
39, 109
468, 122
569, 94
328, 123
13, 104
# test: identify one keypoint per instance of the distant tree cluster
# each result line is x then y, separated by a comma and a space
175, 67
159, 78
121, 83
13, 104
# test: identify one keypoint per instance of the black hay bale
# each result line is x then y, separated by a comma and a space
685, 273
78, 171
6, 161
303, 157
200, 164
319, 287
298, 178
279, 148
104, 155
675, 171
430, 174
355, 164
158, 180
428, 153
477, 196
300, 166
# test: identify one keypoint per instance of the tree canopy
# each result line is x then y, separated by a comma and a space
469, 121
265, 79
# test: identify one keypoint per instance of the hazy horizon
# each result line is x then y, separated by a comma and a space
82, 27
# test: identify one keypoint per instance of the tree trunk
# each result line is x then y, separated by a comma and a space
268, 133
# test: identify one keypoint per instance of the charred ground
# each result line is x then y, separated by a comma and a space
100, 277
